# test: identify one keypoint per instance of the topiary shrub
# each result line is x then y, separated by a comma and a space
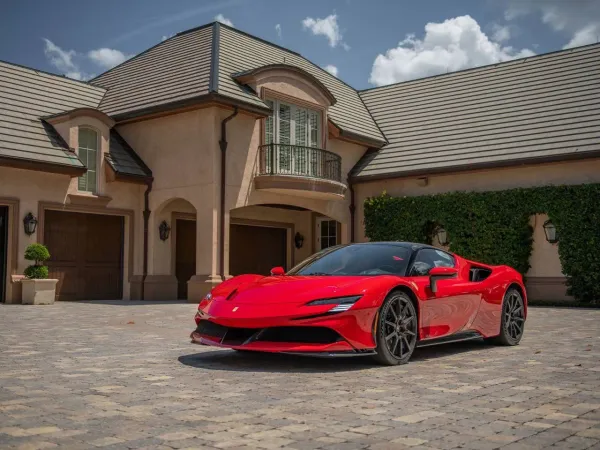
37, 253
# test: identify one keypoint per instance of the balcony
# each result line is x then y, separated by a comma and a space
298, 170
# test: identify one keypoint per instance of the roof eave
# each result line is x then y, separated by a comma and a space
477, 166
198, 101
41, 166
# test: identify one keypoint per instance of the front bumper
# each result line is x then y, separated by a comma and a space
344, 334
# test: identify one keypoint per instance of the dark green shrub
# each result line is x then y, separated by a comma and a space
38, 253
36, 272
493, 227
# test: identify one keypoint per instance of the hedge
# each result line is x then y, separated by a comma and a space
493, 227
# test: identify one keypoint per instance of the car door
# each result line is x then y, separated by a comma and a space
453, 306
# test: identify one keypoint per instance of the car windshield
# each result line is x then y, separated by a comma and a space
357, 259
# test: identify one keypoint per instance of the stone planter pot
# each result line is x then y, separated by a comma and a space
38, 292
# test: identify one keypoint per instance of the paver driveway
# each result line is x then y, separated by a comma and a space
84, 375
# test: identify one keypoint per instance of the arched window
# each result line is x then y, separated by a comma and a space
88, 153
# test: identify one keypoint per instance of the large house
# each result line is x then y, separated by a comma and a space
216, 153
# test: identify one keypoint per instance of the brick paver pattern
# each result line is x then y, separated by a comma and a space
124, 375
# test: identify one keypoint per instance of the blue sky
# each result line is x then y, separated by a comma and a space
368, 43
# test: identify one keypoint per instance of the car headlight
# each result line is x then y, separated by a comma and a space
341, 303
204, 302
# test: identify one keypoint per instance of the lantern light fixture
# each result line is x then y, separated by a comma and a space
30, 224
550, 232
442, 236
299, 240
164, 230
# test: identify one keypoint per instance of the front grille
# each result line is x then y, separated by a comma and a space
309, 335
238, 336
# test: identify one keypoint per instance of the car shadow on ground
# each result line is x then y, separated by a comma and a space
134, 302
230, 360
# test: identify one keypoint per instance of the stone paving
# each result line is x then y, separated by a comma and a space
124, 375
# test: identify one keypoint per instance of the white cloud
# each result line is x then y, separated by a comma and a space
579, 19
224, 20
327, 27
68, 62
107, 58
331, 69
278, 30
587, 35
167, 36
449, 46
59, 58
500, 33
64, 61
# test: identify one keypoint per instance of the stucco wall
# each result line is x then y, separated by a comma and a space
30, 188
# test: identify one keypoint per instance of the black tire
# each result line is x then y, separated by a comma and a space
396, 330
512, 324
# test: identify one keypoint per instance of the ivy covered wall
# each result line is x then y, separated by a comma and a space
493, 227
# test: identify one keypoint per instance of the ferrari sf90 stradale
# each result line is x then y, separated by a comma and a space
381, 298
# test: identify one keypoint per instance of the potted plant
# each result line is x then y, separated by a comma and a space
37, 288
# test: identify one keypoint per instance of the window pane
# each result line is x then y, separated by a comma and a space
332, 228
285, 130
88, 153
301, 126
269, 126
91, 159
314, 129
91, 176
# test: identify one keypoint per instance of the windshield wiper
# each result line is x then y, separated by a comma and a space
317, 274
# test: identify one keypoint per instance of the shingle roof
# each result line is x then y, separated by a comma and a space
175, 70
202, 62
28, 95
528, 110
25, 96
123, 159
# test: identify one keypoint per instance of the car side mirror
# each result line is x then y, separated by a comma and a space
277, 271
440, 273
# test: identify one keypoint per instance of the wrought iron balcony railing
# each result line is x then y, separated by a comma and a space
285, 159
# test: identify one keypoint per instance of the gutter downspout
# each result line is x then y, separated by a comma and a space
146, 220
223, 147
352, 208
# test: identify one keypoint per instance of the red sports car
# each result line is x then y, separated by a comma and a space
380, 298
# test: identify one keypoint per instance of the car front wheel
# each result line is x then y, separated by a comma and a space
396, 330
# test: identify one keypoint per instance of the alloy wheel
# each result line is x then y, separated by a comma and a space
514, 315
400, 327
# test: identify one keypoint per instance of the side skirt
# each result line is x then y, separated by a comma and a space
457, 337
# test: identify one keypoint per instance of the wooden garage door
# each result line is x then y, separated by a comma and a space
256, 249
86, 255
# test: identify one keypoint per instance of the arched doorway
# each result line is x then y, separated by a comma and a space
174, 256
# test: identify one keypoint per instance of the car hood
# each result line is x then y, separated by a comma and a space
288, 289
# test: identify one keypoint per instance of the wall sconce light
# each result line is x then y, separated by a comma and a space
298, 240
164, 230
442, 236
29, 224
550, 231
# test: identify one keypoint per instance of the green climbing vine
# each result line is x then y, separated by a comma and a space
493, 227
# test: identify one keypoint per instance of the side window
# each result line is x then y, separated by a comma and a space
427, 259
88, 153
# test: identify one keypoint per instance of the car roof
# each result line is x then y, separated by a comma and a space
410, 245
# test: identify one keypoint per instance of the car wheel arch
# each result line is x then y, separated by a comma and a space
411, 294
519, 288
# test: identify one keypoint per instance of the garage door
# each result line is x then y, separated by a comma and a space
86, 255
256, 249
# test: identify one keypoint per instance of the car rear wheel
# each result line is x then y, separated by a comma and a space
513, 319
396, 330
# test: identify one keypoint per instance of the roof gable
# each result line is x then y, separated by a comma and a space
26, 95
201, 64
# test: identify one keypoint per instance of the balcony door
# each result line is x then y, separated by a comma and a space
295, 131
